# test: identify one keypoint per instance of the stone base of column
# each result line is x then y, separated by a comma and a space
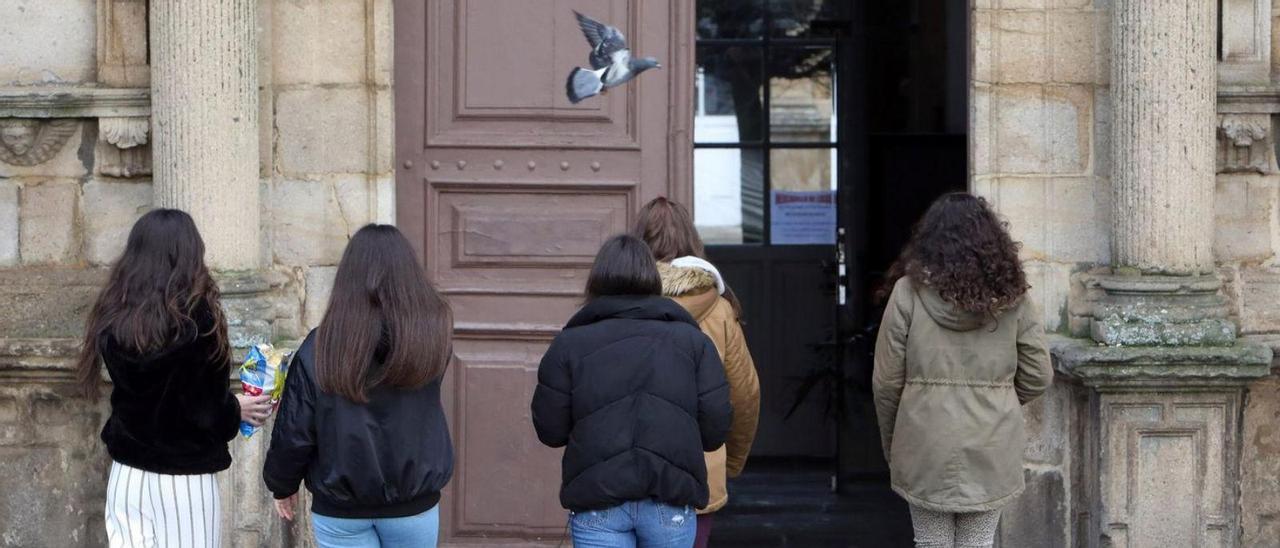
1107, 368
249, 300
1166, 376
246, 301
1162, 311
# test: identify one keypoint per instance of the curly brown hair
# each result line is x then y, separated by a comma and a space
962, 250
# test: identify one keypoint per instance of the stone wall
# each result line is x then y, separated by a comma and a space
1039, 149
1247, 244
1039, 137
1040, 152
326, 142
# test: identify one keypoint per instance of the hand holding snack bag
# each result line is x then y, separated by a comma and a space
263, 372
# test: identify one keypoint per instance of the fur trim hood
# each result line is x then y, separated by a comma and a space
690, 274
679, 281
696, 288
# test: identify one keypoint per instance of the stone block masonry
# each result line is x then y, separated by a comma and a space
51, 470
109, 211
48, 229
280, 166
9, 223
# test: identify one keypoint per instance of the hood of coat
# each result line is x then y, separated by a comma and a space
946, 314
695, 288
630, 307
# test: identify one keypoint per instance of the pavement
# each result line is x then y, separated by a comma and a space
788, 505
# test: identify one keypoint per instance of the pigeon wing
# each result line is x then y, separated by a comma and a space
605, 40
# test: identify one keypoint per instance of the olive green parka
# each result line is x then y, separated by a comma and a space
949, 388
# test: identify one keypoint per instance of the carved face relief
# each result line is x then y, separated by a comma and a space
19, 136
26, 142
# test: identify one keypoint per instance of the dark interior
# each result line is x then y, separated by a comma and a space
817, 476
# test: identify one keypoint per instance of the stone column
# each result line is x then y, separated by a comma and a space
1163, 89
1165, 370
204, 104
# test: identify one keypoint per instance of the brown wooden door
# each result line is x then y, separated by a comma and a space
507, 189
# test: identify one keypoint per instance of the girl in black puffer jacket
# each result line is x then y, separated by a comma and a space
635, 392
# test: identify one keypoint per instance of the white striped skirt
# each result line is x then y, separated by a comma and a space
146, 509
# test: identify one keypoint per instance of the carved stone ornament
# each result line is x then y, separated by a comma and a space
1244, 144
30, 142
124, 132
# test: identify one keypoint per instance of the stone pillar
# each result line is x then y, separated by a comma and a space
1163, 90
204, 106
1165, 369
204, 103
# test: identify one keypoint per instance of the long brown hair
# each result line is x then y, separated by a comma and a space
153, 295
962, 250
382, 306
667, 226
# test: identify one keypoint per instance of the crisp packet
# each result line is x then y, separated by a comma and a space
263, 372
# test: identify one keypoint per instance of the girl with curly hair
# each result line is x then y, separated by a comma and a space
960, 350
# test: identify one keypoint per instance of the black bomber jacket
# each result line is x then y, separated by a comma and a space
389, 457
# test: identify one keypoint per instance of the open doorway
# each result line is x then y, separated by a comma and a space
822, 130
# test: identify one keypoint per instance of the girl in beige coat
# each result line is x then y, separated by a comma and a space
960, 350
693, 282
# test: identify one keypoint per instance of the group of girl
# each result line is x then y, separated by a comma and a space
650, 388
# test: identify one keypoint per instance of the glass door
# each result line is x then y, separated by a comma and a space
767, 180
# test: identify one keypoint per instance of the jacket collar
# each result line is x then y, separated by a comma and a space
693, 287
630, 307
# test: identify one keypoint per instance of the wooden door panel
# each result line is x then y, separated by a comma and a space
499, 80
529, 235
503, 474
506, 189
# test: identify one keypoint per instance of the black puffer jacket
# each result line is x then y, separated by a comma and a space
387, 458
637, 393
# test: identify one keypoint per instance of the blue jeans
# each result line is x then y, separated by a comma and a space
407, 532
642, 524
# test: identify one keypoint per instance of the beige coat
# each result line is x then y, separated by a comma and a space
695, 290
949, 387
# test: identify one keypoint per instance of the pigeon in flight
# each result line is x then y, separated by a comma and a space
611, 61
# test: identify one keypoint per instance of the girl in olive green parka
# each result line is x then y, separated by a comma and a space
960, 350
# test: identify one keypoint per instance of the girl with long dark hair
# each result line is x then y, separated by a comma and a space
158, 327
693, 282
361, 419
635, 393
960, 350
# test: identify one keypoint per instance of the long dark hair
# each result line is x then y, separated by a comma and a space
153, 295
962, 250
382, 306
623, 266
667, 226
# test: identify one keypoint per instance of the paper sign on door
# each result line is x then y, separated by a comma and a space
802, 218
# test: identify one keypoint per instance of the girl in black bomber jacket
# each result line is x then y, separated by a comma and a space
158, 327
361, 420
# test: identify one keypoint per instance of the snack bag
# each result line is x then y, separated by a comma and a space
263, 372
